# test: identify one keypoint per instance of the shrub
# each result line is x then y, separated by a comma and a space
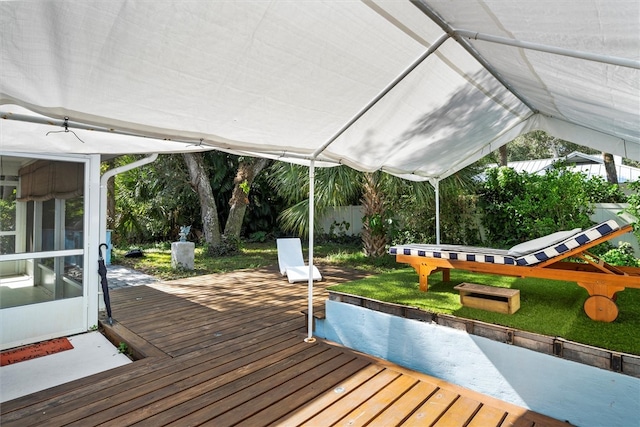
634, 205
227, 247
600, 191
622, 256
521, 206
459, 223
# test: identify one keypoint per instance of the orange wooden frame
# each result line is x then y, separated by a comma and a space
600, 279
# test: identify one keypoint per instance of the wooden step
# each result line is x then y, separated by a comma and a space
491, 298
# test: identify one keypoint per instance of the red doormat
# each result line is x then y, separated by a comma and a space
32, 351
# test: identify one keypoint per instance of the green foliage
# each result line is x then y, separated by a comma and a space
263, 209
519, 207
339, 228
123, 348
413, 204
634, 205
337, 186
244, 185
377, 223
600, 191
7, 223
8, 212
541, 145
623, 255
227, 247
338, 234
460, 222
153, 201
258, 236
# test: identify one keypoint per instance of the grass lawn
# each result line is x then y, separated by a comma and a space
157, 259
546, 306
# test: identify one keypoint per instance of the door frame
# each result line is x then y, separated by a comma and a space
36, 322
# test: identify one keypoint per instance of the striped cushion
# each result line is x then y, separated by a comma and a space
573, 242
497, 256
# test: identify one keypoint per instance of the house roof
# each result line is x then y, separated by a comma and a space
417, 88
578, 162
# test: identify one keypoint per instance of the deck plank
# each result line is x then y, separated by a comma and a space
431, 411
228, 349
338, 410
488, 416
300, 415
405, 406
276, 389
137, 392
460, 413
306, 394
382, 400
225, 381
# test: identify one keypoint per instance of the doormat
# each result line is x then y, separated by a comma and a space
33, 351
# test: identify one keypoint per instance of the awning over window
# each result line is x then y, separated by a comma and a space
46, 180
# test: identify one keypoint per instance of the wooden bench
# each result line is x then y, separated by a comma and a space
491, 298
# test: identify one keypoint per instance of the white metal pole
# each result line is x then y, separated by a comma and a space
436, 186
312, 177
588, 56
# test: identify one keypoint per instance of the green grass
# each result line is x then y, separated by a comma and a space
157, 259
547, 307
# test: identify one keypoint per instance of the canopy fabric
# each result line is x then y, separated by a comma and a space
391, 85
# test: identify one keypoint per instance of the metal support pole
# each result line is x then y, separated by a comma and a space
436, 186
312, 177
588, 56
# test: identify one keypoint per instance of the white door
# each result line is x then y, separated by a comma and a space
45, 281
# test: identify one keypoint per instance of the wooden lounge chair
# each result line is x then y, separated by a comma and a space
544, 258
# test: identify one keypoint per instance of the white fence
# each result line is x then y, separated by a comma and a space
338, 217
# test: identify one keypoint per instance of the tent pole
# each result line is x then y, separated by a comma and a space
430, 50
312, 177
606, 59
330, 141
436, 186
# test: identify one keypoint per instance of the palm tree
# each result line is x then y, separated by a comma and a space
376, 212
382, 196
337, 186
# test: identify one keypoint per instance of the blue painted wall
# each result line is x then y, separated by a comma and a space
580, 394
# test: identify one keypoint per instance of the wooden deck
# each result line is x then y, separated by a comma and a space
228, 350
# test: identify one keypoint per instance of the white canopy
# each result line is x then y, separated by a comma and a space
419, 89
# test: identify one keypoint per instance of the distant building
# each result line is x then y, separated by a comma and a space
591, 165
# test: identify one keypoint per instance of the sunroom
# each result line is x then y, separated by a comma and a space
49, 223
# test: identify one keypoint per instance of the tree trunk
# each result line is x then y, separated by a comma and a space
199, 181
248, 169
374, 236
502, 151
610, 167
